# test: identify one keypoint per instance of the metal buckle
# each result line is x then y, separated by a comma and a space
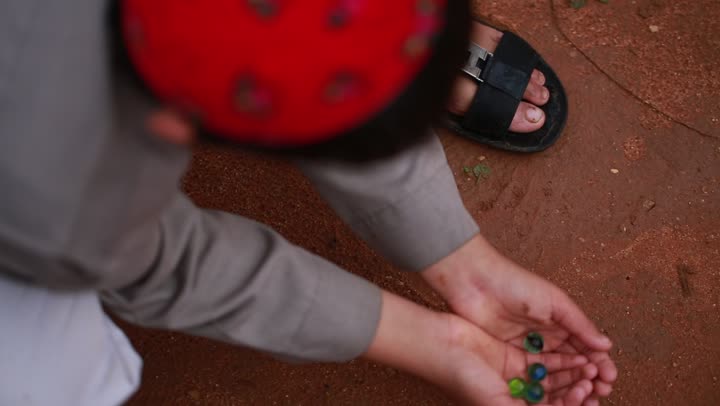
477, 59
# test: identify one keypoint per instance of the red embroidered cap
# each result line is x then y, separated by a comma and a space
280, 72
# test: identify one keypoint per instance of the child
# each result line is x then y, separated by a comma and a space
91, 202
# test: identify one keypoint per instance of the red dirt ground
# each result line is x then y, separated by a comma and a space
638, 249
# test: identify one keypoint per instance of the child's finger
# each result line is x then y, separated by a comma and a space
607, 371
511, 402
592, 401
556, 362
602, 389
566, 348
576, 395
504, 400
558, 394
560, 380
590, 371
568, 315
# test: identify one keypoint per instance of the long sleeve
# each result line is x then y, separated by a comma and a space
89, 201
229, 278
407, 207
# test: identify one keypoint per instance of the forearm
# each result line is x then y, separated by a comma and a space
457, 271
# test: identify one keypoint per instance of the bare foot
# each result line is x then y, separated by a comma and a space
528, 116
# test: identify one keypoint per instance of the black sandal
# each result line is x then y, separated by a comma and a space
502, 78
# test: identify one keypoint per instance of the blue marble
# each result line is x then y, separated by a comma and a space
537, 372
534, 392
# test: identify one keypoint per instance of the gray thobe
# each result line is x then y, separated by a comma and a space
91, 210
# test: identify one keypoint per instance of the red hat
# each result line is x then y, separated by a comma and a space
280, 72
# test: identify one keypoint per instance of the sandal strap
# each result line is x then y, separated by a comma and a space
502, 79
477, 59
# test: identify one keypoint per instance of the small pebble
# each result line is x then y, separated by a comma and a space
648, 205
517, 387
615, 171
534, 393
654, 28
534, 343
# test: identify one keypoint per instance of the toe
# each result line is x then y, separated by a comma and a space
528, 118
538, 77
536, 94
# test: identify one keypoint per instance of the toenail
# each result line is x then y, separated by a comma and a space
545, 93
533, 114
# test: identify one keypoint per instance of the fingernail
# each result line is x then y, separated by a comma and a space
533, 114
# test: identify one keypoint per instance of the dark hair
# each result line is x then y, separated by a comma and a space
405, 122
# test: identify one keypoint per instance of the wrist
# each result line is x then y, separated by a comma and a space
462, 268
441, 348
411, 338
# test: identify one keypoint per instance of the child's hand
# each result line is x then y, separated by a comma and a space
484, 365
470, 364
508, 302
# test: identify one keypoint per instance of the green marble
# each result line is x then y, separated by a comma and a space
537, 372
517, 387
534, 343
534, 392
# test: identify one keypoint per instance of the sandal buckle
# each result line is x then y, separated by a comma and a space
478, 57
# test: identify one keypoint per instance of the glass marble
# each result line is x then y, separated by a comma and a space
537, 372
517, 387
534, 392
534, 343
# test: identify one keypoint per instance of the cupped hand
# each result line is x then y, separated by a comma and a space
508, 302
483, 365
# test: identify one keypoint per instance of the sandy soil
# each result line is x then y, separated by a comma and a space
624, 212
